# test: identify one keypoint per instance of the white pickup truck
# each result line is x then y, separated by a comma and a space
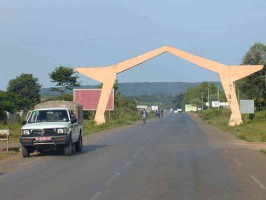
53, 124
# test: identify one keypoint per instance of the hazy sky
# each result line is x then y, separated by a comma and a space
37, 36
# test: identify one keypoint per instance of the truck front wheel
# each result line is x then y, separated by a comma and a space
25, 152
68, 148
78, 144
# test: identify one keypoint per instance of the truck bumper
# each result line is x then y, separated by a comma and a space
36, 141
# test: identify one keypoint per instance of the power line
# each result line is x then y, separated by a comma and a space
134, 35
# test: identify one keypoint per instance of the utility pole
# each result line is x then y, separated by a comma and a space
218, 98
202, 101
208, 98
265, 82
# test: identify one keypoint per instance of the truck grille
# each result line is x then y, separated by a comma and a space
49, 131
44, 132
37, 132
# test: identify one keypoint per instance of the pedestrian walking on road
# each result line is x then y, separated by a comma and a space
144, 115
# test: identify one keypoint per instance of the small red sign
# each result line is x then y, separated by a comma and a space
89, 98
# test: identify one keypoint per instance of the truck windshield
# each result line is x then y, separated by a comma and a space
48, 116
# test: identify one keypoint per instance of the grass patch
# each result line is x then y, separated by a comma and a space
124, 115
263, 151
90, 127
5, 155
252, 131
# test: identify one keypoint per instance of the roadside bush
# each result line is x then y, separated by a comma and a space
210, 114
252, 131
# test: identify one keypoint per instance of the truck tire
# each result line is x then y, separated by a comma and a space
78, 144
40, 151
69, 148
25, 152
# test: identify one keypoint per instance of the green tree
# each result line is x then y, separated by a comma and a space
63, 97
27, 87
12, 102
65, 79
194, 95
2, 108
253, 86
178, 101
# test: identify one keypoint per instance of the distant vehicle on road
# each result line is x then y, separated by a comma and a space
53, 125
178, 110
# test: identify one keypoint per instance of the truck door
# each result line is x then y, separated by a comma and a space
74, 125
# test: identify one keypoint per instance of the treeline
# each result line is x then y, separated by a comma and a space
199, 95
251, 87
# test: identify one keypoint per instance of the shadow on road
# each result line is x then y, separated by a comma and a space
90, 148
85, 149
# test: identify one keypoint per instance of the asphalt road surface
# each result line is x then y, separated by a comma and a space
174, 158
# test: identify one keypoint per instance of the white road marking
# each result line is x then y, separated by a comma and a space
226, 151
257, 182
237, 162
110, 180
96, 196
136, 155
127, 164
29, 162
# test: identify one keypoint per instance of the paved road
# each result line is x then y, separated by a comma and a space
175, 158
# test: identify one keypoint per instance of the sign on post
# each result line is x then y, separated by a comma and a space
247, 106
89, 98
216, 104
142, 107
4, 135
154, 108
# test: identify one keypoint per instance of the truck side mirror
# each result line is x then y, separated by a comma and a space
73, 121
24, 122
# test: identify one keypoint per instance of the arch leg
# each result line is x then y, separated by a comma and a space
105, 95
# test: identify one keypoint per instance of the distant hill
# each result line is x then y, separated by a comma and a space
149, 88
140, 88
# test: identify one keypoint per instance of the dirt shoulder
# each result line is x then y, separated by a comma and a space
258, 146
13, 150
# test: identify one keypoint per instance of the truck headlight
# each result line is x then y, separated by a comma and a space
25, 132
60, 130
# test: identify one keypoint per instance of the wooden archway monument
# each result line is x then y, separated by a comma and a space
228, 74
